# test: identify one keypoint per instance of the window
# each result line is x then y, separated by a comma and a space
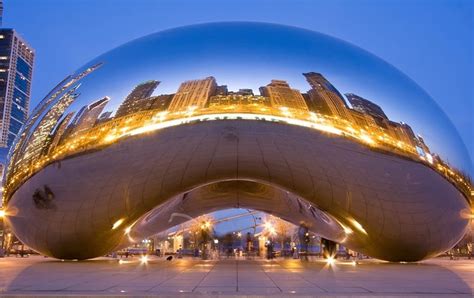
23, 67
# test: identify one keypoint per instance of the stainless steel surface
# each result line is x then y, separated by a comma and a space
185, 110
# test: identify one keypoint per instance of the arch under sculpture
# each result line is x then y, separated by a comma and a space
83, 181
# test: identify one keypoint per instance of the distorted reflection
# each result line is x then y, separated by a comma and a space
59, 134
154, 83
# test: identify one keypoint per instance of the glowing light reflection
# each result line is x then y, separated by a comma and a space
118, 223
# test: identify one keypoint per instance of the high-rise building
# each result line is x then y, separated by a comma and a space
16, 70
422, 144
160, 102
194, 93
32, 129
363, 120
409, 134
238, 100
221, 90
59, 131
281, 95
365, 106
105, 116
318, 81
90, 114
38, 143
1, 12
325, 98
245, 92
132, 102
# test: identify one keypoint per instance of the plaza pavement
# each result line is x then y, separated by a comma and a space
36, 276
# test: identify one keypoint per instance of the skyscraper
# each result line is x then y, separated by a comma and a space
281, 95
194, 93
38, 143
140, 92
90, 114
365, 106
31, 130
325, 98
59, 131
409, 134
16, 69
422, 144
318, 81
1, 12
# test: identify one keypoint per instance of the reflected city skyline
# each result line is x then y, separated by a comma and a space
248, 55
61, 133
258, 116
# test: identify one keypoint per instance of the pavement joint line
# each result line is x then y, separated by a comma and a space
410, 280
204, 277
304, 278
237, 275
281, 291
167, 265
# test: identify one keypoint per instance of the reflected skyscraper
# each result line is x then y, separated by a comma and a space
325, 98
16, 70
281, 95
104, 116
91, 114
364, 105
39, 139
132, 102
194, 93
59, 131
1, 12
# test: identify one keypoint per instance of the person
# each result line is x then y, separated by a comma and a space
270, 250
180, 252
294, 252
469, 250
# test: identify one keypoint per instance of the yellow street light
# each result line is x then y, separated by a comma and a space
144, 259
330, 260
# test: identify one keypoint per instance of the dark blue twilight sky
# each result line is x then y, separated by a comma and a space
430, 41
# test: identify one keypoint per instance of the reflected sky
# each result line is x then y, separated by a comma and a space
250, 55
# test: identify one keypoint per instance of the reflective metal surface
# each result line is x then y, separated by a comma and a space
225, 74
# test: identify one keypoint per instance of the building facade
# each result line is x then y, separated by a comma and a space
16, 71
194, 93
365, 106
91, 114
281, 95
325, 98
41, 138
133, 100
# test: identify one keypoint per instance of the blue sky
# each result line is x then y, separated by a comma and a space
430, 41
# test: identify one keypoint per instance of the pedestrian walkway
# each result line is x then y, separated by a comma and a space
104, 276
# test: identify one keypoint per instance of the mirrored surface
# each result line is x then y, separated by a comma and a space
258, 72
